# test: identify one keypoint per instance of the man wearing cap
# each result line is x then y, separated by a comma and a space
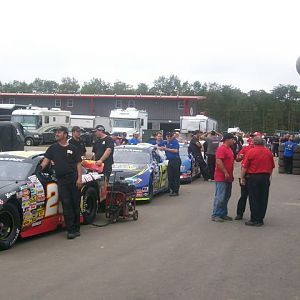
213, 140
171, 148
135, 140
195, 148
257, 166
103, 151
67, 166
115, 137
76, 141
223, 178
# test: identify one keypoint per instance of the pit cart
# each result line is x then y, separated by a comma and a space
120, 202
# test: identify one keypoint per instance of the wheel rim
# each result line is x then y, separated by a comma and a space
89, 205
28, 143
6, 224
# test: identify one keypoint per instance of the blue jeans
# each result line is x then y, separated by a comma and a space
222, 195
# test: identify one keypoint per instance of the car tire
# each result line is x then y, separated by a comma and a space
296, 156
296, 171
296, 163
151, 189
10, 226
29, 142
90, 205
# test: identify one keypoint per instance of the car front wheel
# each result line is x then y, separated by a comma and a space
90, 205
29, 142
10, 226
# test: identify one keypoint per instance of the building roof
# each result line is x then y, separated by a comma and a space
96, 96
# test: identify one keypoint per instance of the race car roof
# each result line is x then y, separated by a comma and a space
141, 146
25, 155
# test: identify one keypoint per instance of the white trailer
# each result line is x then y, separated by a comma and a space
40, 118
129, 120
90, 122
198, 122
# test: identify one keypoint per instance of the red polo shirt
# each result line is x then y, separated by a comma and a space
258, 160
226, 155
245, 150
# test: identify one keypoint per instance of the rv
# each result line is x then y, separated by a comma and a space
199, 122
128, 120
40, 118
90, 122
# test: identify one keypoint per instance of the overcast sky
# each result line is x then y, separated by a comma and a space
247, 44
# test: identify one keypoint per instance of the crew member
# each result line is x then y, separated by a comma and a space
213, 140
288, 154
195, 148
257, 166
76, 140
135, 140
103, 151
224, 178
159, 142
171, 149
67, 166
241, 206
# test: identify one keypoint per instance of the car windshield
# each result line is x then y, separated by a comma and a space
28, 122
14, 170
131, 156
183, 152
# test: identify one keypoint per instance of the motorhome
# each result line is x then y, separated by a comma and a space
129, 120
199, 122
40, 118
90, 122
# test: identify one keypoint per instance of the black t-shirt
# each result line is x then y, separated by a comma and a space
65, 159
99, 148
79, 144
193, 148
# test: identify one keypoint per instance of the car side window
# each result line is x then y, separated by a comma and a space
156, 157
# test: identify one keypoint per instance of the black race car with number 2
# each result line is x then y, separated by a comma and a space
29, 200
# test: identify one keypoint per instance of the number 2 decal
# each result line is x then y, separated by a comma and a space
51, 200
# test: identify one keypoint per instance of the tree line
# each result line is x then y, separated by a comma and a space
259, 110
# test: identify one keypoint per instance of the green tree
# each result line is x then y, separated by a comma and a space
69, 85
44, 86
16, 87
142, 89
96, 86
122, 88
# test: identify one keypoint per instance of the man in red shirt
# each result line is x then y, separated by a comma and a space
258, 166
223, 178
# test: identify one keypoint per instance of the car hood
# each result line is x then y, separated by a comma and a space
125, 170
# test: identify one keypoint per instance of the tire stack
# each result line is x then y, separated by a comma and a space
296, 161
280, 160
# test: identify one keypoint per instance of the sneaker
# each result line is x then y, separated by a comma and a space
77, 233
173, 194
217, 219
71, 236
251, 223
227, 218
238, 217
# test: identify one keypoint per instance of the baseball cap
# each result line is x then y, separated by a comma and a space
196, 132
257, 133
62, 128
168, 133
115, 134
227, 136
76, 128
100, 128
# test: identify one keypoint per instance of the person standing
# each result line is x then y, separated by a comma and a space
223, 178
135, 140
257, 167
288, 153
124, 140
67, 166
275, 145
195, 148
171, 149
103, 151
159, 142
241, 206
213, 140
76, 141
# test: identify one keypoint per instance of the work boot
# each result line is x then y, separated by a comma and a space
238, 217
253, 223
77, 233
173, 194
227, 218
217, 219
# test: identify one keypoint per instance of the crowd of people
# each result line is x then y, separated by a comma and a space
215, 153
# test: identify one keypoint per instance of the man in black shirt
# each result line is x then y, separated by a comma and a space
67, 166
76, 141
103, 151
195, 148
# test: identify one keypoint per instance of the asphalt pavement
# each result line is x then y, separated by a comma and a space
174, 251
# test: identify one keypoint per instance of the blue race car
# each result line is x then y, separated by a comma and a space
143, 166
189, 168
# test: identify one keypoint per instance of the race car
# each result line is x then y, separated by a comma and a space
189, 169
29, 200
143, 166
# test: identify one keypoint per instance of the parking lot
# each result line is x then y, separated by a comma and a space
173, 251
